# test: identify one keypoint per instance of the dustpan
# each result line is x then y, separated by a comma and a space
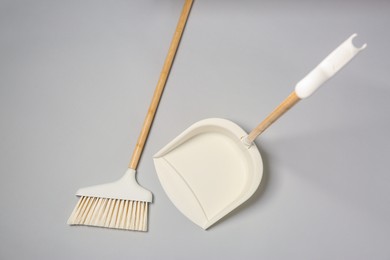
214, 165
207, 172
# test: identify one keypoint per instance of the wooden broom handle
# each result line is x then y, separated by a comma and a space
160, 85
288, 103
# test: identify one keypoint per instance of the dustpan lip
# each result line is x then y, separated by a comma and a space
235, 129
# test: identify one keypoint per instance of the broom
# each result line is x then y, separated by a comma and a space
124, 204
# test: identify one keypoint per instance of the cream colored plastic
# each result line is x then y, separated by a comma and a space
207, 171
126, 188
327, 68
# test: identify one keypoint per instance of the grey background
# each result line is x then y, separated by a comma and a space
76, 78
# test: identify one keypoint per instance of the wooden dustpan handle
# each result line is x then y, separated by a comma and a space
288, 103
310, 83
160, 85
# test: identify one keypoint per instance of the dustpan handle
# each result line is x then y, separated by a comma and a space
160, 85
309, 84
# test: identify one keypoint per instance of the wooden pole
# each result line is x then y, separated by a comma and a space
289, 102
160, 85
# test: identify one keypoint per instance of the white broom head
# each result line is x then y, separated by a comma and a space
122, 204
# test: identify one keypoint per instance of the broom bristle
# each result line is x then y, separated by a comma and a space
110, 213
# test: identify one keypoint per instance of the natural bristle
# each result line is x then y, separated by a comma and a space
110, 213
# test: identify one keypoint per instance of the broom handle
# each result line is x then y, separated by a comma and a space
160, 86
309, 84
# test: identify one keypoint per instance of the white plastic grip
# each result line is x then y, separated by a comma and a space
327, 68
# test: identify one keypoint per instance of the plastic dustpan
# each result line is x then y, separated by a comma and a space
214, 165
207, 172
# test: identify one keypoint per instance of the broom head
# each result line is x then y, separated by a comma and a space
122, 205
